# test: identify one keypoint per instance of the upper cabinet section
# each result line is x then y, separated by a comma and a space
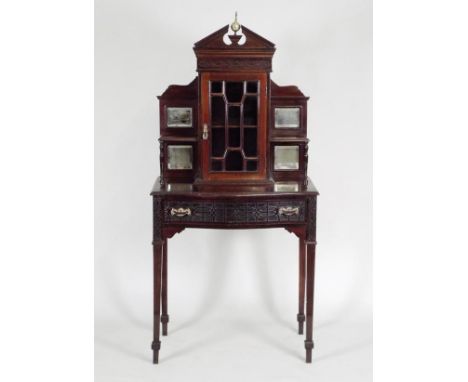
232, 124
178, 121
243, 51
288, 114
178, 110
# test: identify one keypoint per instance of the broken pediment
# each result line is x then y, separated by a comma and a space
244, 51
252, 41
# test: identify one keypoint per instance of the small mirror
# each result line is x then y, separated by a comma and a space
287, 117
286, 186
179, 117
184, 187
286, 158
179, 157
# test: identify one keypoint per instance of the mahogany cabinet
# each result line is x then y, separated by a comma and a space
233, 154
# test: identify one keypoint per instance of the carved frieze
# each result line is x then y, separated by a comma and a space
157, 221
228, 212
311, 218
229, 63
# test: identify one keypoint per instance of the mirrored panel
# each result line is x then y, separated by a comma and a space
286, 187
183, 187
179, 117
286, 158
179, 157
287, 117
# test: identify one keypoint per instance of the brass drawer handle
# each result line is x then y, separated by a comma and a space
288, 211
180, 212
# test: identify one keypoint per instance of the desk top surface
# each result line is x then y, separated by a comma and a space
278, 189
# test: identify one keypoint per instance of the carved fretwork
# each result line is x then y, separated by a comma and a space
157, 221
226, 212
227, 63
311, 218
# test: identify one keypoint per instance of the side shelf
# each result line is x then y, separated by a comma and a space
178, 123
288, 133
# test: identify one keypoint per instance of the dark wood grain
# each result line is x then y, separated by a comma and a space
251, 194
302, 280
237, 211
309, 344
164, 314
157, 258
214, 55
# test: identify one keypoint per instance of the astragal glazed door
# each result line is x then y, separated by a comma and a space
234, 125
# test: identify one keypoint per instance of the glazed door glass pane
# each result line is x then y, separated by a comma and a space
180, 157
234, 125
287, 117
286, 158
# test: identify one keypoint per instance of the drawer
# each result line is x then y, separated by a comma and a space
228, 212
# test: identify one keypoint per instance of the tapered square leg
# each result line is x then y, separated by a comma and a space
157, 262
164, 315
310, 269
302, 277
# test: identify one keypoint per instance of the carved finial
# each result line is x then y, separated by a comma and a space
235, 26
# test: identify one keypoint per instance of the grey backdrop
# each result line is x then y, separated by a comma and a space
233, 294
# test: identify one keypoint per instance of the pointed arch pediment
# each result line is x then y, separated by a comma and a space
213, 54
252, 41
